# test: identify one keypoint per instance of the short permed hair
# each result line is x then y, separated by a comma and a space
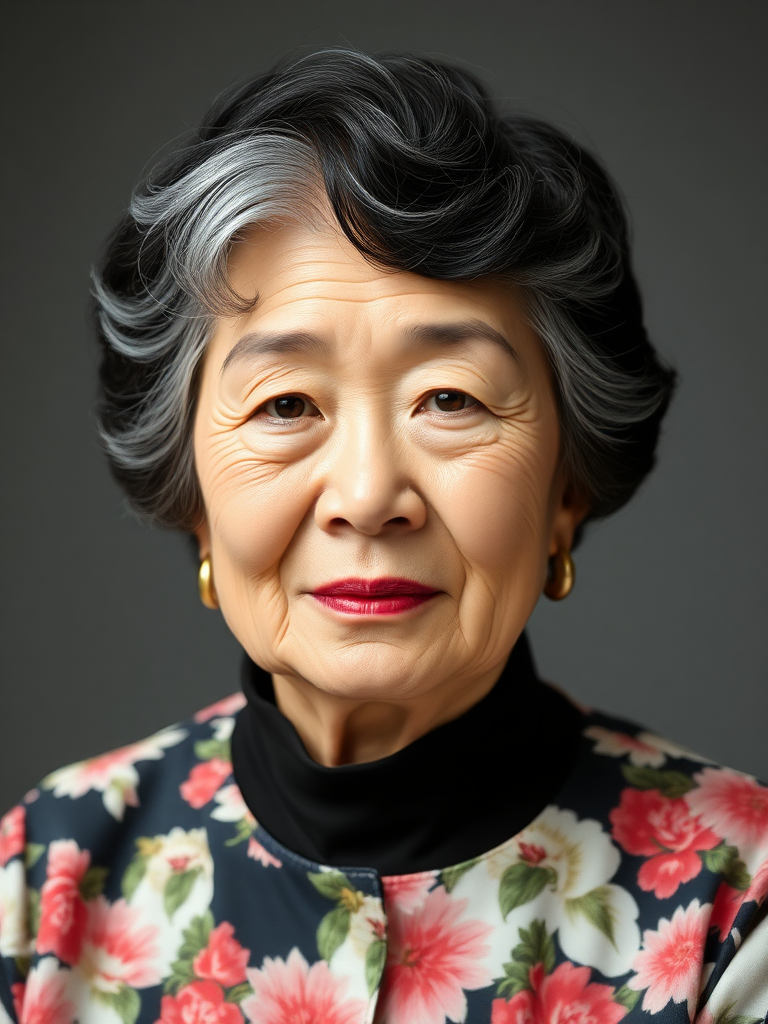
423, 175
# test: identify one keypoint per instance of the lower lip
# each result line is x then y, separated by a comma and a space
392, 604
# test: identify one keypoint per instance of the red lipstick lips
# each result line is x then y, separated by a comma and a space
388, 595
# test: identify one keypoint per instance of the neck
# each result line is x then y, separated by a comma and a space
337, 730
426, 805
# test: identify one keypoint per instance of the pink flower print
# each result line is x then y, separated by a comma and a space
650, 825
292, 991
17, 994
222, 708
733, 804
566, 997
726, 905
231, 806
670, 962
43, 1000
644, 750
223, 959
119, 949
758, 888
729, 901
114, 774
12, 834
63, 913
531, 853
407, 892
262, 855
204, 781
432, 957
202, 1002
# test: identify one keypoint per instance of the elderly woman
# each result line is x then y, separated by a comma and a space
380, 351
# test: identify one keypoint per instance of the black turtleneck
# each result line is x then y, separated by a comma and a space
452, 794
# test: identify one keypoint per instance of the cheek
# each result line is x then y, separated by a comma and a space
253, 507
496, 506
255, 519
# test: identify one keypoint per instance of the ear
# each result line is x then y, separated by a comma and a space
570, 509
203, 536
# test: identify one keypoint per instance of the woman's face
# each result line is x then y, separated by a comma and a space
365, 425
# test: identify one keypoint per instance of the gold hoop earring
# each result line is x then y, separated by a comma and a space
205, 584
560, 576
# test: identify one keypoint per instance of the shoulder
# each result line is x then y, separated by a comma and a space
693, 839
74, 853
101, 797
649, 783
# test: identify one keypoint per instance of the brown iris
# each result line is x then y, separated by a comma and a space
450, 401
290, 406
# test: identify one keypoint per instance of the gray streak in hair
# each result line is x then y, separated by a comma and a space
422, 175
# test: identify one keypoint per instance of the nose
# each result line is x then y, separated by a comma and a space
370, 485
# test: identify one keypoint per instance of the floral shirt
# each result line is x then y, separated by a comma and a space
137, 888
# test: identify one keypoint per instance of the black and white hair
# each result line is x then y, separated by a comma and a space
422, 175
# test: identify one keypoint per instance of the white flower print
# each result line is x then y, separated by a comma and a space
46, 995
558, 869
645, 750
231, 806
114, 774
367, 925
226, 706
222, 728
176, 885
14, 939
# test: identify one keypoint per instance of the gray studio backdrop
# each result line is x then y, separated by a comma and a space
103, 639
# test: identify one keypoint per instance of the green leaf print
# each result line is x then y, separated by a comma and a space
132, 875
34, 912
32, 854
626, 997
244, 829
536, 946
23, 964
724, 860
239, 992
516, 979
596, 906
178, 888
181, 975
93, 882
126, 1002
206, 750
375, 959
669, 784
194, 939
332, 931
520, 884
450, 876
330, 884
726, 1016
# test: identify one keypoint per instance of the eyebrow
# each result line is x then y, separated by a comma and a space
457, 332
261, 343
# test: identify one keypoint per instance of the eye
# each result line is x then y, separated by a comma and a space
289, 407
449, 401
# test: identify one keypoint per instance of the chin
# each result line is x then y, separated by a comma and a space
367, 671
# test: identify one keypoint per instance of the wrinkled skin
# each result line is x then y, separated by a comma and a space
376, 477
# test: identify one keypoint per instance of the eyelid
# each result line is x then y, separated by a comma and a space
306, 413
476, 403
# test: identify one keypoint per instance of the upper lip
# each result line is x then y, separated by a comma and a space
383, 586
